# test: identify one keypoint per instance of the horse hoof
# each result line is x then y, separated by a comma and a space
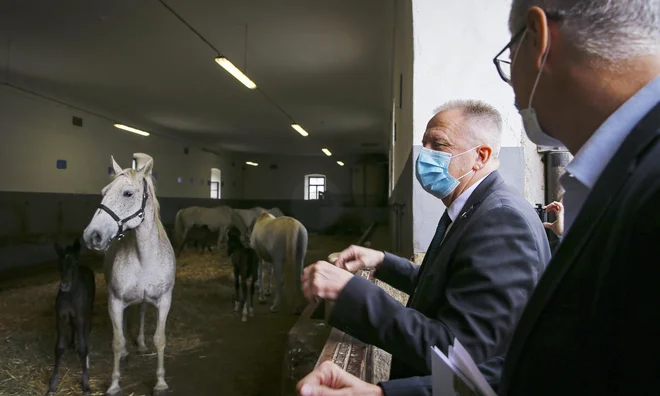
113, 393
160, 392
268, 293
123, 359
262, 300
274, 309
244, 319
236, 307
251, 312
143, 350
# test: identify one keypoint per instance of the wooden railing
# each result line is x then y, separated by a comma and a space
312, 341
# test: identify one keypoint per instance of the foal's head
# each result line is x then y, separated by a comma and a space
122, 207
68, 264
234, 240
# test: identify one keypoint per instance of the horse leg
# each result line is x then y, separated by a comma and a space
60, 347
72, 344
83, 353
253, 281
142, 347
116, 311
236, 291
270, 279
244, 293
260, 281
183, 242
159, 339
279, 281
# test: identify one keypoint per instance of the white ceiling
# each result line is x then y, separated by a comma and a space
327, 63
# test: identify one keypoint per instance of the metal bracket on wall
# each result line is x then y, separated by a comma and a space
398, 209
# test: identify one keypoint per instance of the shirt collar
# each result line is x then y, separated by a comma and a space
593, 157
455, 208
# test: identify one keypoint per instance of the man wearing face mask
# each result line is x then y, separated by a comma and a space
487, 254
587, 75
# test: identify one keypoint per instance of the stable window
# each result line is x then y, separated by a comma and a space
215, 183
314, 186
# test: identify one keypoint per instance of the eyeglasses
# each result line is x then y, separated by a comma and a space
503, 59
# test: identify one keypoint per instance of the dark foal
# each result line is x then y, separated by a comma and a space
246, 262
74, 306
201, 237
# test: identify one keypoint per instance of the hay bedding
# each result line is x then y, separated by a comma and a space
201, 304
28, 334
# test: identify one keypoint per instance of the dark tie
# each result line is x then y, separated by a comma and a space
433, 249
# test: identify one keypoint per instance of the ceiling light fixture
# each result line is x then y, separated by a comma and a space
234, 71
340, 163
299, 129
130, 129
251, 163
326, 151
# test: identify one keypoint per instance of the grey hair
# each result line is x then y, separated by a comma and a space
484, 122
612, 30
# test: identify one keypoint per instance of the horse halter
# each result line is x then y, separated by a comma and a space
120, 222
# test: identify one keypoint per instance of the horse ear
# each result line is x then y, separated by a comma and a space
147, 168
58, 249
115, 166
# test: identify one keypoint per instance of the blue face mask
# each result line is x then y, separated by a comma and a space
432, 171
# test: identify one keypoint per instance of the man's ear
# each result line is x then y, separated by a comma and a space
537, 25
484, 155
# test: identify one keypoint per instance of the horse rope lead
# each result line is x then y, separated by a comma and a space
120, 222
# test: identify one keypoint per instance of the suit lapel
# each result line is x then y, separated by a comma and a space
448, 243
610, 183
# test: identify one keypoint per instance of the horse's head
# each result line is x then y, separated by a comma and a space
122, 206
234, 240
68, 264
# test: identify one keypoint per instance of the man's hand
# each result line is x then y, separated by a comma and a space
357, 258
329, 380
324, 280
558, 226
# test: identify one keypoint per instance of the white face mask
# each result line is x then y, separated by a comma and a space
530, 120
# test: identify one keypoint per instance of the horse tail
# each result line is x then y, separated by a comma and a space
178, 228
296, 247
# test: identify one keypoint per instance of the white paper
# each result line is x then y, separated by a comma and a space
458, 366
462, 360
443, 375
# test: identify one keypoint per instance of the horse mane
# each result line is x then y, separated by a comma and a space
151, 189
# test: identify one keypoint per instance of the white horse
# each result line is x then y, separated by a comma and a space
219, 219
249, 216
282, 242
139, 259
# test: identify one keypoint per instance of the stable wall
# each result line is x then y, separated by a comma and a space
450, 45
35, 133
287, 181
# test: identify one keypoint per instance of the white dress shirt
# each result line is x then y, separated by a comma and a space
589, 163
455, 208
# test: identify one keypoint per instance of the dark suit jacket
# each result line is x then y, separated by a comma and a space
593, 325
474, 290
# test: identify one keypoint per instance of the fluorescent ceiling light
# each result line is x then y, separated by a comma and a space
233, 70
299, 129
340, 163
326, 151
252, 163
127, 128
